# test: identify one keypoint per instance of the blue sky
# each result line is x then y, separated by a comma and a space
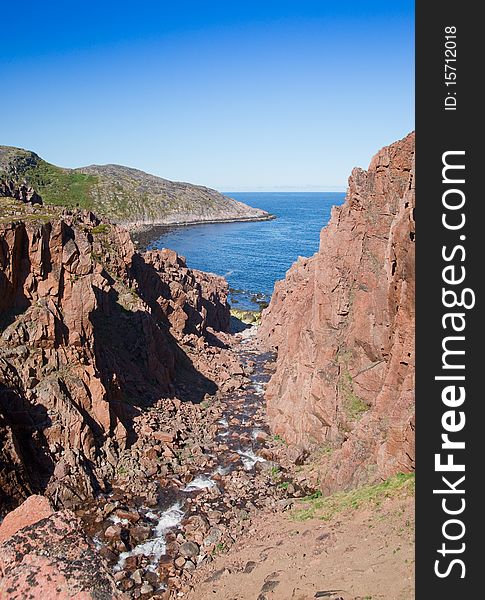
233, 95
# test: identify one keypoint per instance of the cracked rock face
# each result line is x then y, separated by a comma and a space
343, 324
91, 333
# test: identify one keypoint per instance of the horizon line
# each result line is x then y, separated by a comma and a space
229, 190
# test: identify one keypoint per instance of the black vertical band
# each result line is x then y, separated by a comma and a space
450, 399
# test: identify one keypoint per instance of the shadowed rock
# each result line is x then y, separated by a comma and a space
92, 333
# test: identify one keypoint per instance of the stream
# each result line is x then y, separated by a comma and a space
153, 550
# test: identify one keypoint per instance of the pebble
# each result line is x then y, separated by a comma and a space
112, 532
137, 576
179, 562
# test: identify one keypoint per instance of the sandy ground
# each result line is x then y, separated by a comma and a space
364, 554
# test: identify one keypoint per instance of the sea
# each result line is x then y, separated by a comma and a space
254, 255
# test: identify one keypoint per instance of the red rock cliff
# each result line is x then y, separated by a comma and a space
343, 325
91, 333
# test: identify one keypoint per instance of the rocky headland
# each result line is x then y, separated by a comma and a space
121, 194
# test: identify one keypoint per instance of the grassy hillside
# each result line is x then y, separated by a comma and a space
57, 186
121, 193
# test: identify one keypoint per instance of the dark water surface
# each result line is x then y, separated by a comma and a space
253, 255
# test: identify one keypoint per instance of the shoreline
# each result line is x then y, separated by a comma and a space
143, 233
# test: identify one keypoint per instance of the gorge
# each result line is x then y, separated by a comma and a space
133, 422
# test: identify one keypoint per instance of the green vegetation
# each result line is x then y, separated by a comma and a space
279, 440
15, 210
101, 228
354, 406
219, 548
314, 496
316, 506
274, 472
61, 187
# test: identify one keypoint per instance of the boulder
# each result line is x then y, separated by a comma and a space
53, 558
34, 509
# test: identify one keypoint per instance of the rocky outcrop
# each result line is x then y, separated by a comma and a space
172, 286
51, 557
343, 325
91, 334
20, 191
122, 194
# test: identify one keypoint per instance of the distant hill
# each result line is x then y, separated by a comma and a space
123, 194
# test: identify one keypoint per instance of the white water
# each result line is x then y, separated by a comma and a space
156, 546
249, 458
258, 388
202, 482
117, 521
222, 470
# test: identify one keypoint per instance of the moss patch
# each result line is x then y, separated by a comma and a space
354, 406
249, 317
102, 228
12, 210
